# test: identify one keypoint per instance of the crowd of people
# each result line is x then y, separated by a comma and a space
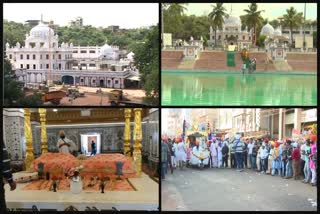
286, 158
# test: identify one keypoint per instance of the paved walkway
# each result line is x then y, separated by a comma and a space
229, 190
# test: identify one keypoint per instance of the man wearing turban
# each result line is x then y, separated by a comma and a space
276, 165
214, 154
66, 145
313, 160
181, 153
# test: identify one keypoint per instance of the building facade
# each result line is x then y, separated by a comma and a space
43, 59
231, 34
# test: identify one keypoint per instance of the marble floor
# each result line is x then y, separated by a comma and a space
146, 197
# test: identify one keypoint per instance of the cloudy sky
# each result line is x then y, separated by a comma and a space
272, 10
126, 15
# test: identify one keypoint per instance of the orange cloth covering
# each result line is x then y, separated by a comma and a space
105, 165
101, 165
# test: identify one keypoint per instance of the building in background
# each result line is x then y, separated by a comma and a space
77, 22
43, 58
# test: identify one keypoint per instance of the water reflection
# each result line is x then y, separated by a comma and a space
238, 89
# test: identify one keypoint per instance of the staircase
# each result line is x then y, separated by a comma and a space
282, 66
187, 64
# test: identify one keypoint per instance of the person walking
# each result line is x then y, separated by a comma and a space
250, 148
264, 158
295, 161
283, 155
254, 156
306, 169
181, 153
225, 152
302, 154
288, 153
238, 149
174, 152
232, 158
169, 155
245, 153
313, 160
259, 164
219, 149
93, 148
214, 154
164, 158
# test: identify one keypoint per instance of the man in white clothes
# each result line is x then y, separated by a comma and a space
250, 147
65, 145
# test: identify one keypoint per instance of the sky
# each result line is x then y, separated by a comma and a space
272, 10
126, 15
164, 120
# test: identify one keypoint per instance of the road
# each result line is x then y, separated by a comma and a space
229, 190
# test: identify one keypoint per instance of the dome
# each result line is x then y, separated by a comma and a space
106, 51
267, 30
277, 32
41, 31
232, 21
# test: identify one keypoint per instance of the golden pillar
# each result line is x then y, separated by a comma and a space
44, 140
127, 134
137, 137
28, 135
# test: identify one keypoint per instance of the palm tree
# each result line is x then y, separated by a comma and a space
177, 9
292, 20
173, 14
216, 15
253, 18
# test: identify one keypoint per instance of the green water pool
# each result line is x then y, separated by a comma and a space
199, 88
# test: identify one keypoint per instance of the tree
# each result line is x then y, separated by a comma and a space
147, 61
172, 16
216, 15
12, 88
253, 18
260, 41
292, 19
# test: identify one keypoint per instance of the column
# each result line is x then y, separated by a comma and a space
74, 80
280, 123
137, 137
28, 135
127, 134
44, 140
297, 119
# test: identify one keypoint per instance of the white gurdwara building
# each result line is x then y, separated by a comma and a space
42, 59
231, 34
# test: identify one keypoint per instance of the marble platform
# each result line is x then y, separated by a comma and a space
146, 197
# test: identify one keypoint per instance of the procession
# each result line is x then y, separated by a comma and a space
285, 158
239, 155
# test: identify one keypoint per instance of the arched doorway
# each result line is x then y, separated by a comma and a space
68, 80
101, 83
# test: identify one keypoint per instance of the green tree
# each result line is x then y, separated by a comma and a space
216, 15
12, 87
253, 19
275, 23
172, 16
292, 19
147, 61
260, 41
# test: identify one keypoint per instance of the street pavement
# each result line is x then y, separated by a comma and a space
230, 190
